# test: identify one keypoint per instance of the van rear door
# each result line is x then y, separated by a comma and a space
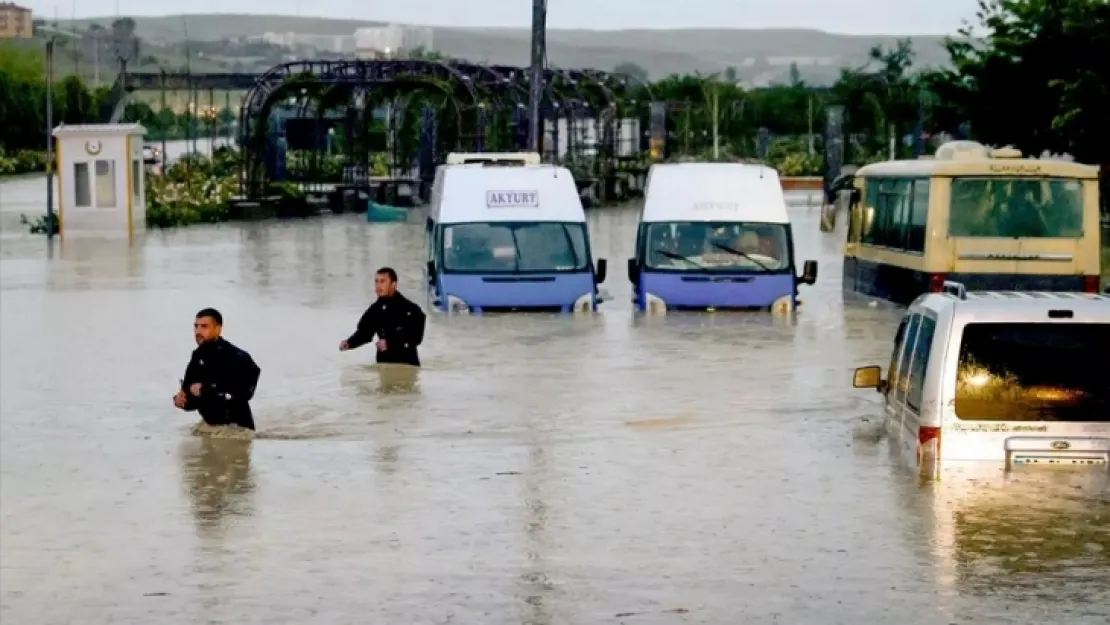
1031, 393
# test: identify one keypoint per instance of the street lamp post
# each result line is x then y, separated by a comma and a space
50, 219
539, 51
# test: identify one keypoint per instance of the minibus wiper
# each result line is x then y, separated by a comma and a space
681, 257
516, 250
732, 250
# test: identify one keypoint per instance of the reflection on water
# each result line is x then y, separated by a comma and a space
1038, 537
217, 476
538, 468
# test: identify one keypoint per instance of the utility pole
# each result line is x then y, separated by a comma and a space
50, 137
716, 121
539, 53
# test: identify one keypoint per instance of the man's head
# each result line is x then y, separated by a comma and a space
385, 282
208, 325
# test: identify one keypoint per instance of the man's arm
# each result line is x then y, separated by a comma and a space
413, 329
368, 325
191, 377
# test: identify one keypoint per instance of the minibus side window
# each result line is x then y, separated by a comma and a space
920, 364
900, 383
871, 223
915, 240
896, 356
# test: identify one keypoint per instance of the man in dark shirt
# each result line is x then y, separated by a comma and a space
397, 322
220, 379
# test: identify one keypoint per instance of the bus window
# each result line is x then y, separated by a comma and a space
868, 212
1016, 208
919, 213
890, 213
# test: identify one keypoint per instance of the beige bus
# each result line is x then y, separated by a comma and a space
989, 219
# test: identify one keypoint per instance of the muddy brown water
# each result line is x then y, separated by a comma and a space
539, 469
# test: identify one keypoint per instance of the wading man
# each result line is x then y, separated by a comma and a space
220, 379
397, 322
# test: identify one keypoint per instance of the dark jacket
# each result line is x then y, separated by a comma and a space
397, 320
229, 377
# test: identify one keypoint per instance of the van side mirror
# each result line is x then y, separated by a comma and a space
869, 377
809, 273
633, 271
602, 270
431, 272
429, 224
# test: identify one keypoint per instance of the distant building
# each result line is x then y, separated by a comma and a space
802, 61
15, 22
387, 40
327, 44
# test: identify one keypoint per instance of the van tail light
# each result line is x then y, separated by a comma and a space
1090, 284
928, 448
936, 282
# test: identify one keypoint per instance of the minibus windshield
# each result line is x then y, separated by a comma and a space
1016, 207
1034, 372
515, 247
717, 246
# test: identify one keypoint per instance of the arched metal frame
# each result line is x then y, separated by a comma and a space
476, 90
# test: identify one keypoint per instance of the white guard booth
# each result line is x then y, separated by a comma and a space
101, 180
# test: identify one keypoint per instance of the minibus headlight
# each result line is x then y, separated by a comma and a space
456, 305
654, 304
584, 303
783, 305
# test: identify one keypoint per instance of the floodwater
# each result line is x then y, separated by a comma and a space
540, 470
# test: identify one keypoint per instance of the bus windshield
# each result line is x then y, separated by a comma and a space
717, 247
1034, 372
515, 247
1016, 207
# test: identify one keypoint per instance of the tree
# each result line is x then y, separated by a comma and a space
633, 71
1038, 78
881, 98
795, 75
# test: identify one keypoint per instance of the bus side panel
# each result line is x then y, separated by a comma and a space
882, 274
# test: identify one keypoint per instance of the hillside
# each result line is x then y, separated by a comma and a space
755, 55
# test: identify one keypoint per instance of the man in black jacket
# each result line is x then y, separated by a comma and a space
220, 379
397, 322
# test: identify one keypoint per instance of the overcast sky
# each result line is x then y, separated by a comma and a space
893, 17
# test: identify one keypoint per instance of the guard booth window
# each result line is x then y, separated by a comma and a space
82, 186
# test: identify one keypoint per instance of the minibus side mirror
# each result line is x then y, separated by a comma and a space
809, 273
633, 271
602, 270
429, 224
431, 272
869, 377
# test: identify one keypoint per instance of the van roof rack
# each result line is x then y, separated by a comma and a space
955, 289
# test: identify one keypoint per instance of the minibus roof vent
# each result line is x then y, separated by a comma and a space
1006, 152
962, 151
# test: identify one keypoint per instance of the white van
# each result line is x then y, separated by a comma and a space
1016, 378
509, 239
715, 236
